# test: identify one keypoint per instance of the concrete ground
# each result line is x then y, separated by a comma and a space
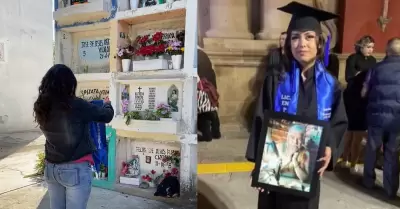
17, 159
231, 190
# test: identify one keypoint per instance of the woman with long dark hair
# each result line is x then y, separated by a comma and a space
302, 87
64, 120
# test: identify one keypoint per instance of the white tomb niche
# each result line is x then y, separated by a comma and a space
149, 96
93, 55
92, 90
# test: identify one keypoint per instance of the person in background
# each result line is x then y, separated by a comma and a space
64, 120
275, 55
357, 66
331, 60
382, 88
207, 116
302, 87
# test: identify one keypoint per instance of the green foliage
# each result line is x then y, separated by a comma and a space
150, 115
40, 163
132, 115
39, 166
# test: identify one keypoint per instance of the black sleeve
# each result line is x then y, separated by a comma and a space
338, 127
94, 113
351, 70
251, 152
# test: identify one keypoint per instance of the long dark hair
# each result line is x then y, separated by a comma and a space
57, 87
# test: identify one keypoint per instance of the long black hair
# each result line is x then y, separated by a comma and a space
57, 87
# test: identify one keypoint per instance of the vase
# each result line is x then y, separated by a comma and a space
134, 4
151, 184
126, 63
176, 61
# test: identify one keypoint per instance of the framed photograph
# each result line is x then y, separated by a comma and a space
287, 155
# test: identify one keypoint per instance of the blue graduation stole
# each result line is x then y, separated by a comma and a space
98, 135
287, 94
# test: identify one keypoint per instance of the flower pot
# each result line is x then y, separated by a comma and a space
176, 61
151, 184
134, 4
126, 63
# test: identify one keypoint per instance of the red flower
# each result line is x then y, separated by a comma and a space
144, 39
157, 37
174, 171
168, 174
153, 172
144, 177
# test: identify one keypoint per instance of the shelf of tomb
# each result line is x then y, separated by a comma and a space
151, 74
91, 11
153, 13
157, 127
92, 77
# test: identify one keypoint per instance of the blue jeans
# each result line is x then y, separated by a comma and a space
69, 185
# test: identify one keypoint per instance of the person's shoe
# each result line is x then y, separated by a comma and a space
356, 169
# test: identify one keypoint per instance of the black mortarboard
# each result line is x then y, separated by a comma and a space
306, 17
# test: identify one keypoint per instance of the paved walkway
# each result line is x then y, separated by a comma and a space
17, 159
230, 189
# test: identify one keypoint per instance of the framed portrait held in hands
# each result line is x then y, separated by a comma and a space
288, 153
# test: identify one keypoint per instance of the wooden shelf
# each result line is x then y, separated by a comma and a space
153, 13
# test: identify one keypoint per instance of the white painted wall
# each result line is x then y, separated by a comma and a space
26, 27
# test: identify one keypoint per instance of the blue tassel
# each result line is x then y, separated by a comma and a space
327, 46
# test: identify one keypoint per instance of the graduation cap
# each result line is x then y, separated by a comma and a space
305, 17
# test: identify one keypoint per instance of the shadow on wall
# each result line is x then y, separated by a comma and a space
204, 67
255, 85
204, 19
207, 198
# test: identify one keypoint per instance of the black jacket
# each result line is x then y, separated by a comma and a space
67, 132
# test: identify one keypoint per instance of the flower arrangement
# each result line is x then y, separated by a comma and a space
175, 158
175, 48
149, 177
131, 115
152, 45
150, 115
173, 172
124, 105
125, 52
163, 111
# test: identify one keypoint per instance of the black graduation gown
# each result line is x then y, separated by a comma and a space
307, 106
356, 106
